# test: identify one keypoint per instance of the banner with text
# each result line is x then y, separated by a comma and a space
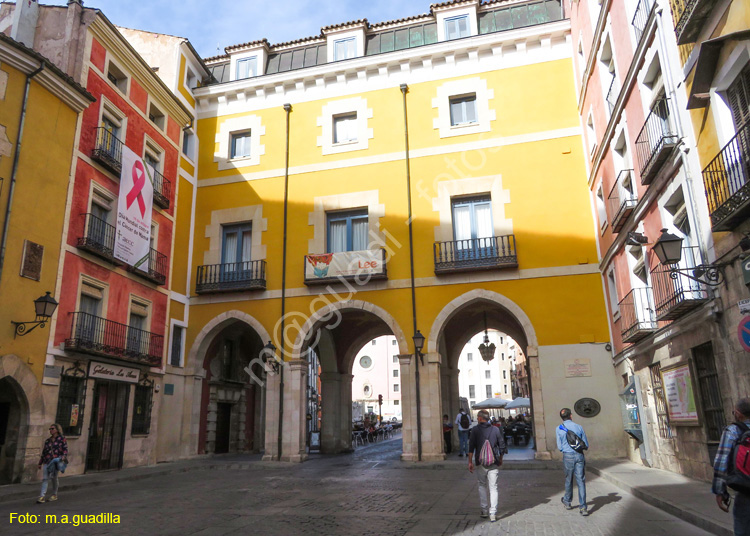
345, 264
133, 235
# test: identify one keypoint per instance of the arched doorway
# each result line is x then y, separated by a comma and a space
463, 318
232, 407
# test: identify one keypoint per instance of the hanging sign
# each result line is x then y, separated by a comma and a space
133, 231
368, 264
105, 371
74, 415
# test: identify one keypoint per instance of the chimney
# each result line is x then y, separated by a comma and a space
24, 21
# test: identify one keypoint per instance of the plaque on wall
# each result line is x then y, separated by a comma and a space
577, 368
587, 407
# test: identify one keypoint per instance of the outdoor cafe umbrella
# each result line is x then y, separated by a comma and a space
520, 402
491, 403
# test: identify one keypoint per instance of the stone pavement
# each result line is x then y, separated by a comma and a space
369, 492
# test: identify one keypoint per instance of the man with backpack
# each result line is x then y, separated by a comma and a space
463, 421
486, 449
572, 441
732, 468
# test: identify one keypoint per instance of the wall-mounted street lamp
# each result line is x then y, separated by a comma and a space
487, 349
44, 306
268, 355
669, 251
418, 339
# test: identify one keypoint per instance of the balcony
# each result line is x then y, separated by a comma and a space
727, 182
108, 150
231, 277
157, 268
676, 294
358, 266
474, 254
91, 334
655, 141
622, 201
162, 189
689, 17
612, 94
640, 19
637, 315
98, 238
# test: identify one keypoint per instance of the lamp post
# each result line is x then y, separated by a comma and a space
487, 349
268, 355
418, 339
44, 307
668, 249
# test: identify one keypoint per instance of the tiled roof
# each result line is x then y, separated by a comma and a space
216, 58
344, 24
297, 41
248, 44
446, 4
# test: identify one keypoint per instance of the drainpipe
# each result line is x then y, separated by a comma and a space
16, 158
404, 91
287, 109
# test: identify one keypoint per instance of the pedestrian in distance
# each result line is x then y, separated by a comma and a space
572, 441
54, 460
447, 431
486, 450
463, 421
732, 468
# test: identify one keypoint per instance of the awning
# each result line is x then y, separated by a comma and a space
705, 67
491, 403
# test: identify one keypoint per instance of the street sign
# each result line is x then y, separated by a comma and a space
746, 270
743, 332
744, 306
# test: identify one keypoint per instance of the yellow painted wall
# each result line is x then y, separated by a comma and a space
181, 257
184, 91
177, 310
38, 206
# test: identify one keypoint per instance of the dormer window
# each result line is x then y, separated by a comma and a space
247, 68
343, 49
457, 27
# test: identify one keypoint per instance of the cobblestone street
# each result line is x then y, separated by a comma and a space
369, 492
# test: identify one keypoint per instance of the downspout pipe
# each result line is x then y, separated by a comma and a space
14, 169
417, 355
288, 110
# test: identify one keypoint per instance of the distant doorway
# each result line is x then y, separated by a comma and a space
107, 430
10, 424
223, 427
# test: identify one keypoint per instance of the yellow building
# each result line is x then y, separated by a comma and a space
39, 111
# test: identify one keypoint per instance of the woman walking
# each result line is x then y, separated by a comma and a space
54, 459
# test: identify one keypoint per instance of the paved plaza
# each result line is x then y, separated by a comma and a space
366, 493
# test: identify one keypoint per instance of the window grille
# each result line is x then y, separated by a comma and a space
662, 417
71, 400
142, 403
710, 392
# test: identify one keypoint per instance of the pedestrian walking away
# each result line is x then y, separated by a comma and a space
486, 450
463, 421
54, 460
447, 433
732, 468
572, 441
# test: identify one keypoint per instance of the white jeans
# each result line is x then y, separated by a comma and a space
487, 477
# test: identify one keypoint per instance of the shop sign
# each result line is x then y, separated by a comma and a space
346, 264
104, 371
680, 394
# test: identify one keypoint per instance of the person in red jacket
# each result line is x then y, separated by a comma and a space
53, 459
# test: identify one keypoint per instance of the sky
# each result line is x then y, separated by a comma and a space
211, 26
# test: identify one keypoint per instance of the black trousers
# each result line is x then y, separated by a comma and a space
447, 439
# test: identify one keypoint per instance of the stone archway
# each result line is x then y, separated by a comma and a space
26, 416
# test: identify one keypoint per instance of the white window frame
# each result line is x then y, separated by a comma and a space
591, 134
471, 97
252, 61
244, 134
612, 293
358, 34
460, 88
351, 125
115, 115
190, 155
349, 49
160, 121
124, 85
442, 14
103, 287
223, 139
722, 112
183, 325
601, 209
333, 109
456, 19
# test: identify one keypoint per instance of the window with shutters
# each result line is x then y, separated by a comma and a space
738, 95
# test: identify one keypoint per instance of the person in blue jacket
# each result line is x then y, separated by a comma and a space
574, 462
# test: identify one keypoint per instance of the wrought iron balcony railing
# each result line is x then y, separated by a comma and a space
98, 238
612, 94
162, 189
231, 277
689, 17
475, 254
640, 18
637, 319
622, 201
727, 182
95, 335
108, 150
157, 268
655, 141
675, 294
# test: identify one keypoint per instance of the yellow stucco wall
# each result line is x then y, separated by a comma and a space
38, 208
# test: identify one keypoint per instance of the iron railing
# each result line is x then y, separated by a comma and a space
612, 93
98, 237
99, 336
637, 318
475, 254
689, 16
622, 202
162, 189
675, 294
157, 267
640, 19
727, 182
227, 277
108, 150
656, 140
